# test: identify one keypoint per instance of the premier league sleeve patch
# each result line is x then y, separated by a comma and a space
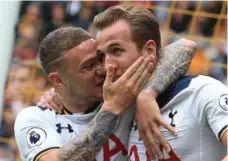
223, 101
35, 137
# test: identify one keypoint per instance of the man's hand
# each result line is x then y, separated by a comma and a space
149, 120
120, 94
51, 100
173, 62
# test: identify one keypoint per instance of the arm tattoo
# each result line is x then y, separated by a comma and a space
86, 146
173, 62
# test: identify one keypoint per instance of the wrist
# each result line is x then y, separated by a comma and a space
112, 107
147, 92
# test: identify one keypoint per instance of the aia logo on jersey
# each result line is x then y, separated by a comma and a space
35, 136
223, 101
136, 156
109, 150
171, 116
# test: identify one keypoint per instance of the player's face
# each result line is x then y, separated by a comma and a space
84, 74
115, 47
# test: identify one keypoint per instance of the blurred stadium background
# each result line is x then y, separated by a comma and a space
202, 21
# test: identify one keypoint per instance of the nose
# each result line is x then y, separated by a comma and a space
109, 60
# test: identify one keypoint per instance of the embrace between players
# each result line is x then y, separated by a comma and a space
122, 97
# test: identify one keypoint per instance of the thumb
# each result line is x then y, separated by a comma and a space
109, 75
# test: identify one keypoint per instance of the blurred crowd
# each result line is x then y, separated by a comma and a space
26, 81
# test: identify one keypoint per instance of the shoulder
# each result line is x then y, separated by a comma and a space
34, 112
31, 111
207, 88
32, 115
197, 85
202, 81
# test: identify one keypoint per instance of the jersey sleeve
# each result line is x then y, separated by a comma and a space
35, 134
211, 100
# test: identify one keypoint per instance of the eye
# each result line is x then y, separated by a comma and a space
116, 50
90, 65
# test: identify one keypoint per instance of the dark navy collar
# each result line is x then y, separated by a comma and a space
174, 89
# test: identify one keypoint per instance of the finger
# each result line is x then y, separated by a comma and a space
109, 76
38, 104
142, 134
48, 97
148, 141
144, 83
138, 73
168, 127
153, 146
53, 106
47, 105
52, 90
58, 102
160, 137
143, 79
150, 156
133, 68
41, 102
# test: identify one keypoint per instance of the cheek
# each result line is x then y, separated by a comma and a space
88, 78
130, 58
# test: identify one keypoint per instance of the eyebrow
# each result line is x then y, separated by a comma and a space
113, 45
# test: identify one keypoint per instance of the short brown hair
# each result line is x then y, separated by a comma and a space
144, 25
57, 42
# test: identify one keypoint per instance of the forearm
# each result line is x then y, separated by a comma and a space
173, 62
224, 137
86, 146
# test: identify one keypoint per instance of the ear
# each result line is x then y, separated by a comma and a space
149, 49
55, 79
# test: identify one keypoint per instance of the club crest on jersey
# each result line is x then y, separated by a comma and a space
223, 101
171, 116
36, 136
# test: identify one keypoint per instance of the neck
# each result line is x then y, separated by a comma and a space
78, 107
76, 104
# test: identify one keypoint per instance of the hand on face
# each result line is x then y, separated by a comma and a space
51, 100
120, 94
149, 120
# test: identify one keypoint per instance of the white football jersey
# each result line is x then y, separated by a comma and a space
197, 108
39, 130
